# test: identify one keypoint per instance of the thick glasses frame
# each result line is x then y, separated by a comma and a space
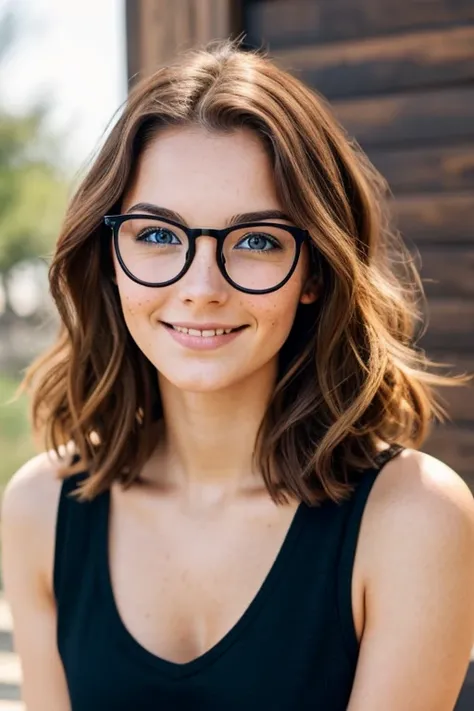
299, 235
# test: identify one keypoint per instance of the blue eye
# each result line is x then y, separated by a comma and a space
161, 236
258, 242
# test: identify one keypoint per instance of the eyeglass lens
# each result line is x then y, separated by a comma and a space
256, 257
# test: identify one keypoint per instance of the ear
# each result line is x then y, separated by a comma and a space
310, 292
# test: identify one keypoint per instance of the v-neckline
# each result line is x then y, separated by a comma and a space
177, 669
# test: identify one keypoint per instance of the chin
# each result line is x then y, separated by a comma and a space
220, 372
204, 378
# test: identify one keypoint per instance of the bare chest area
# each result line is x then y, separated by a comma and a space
181, 581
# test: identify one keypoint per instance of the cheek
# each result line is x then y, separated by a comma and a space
135, 299
275, 312
138, 303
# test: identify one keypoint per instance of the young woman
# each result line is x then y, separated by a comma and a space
232, 511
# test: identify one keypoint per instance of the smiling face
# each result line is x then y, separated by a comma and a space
207, 179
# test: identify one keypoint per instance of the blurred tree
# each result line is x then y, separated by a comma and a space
33, 193
33, 190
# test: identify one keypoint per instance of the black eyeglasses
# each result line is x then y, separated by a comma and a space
254, 257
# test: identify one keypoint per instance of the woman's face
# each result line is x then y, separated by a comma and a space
207, 178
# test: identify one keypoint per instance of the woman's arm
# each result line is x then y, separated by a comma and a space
29, 510
419, 602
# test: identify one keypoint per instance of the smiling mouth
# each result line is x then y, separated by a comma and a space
207, 333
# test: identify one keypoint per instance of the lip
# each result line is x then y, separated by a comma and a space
201, 326
202, 343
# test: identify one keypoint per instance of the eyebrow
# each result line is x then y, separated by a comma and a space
256, 216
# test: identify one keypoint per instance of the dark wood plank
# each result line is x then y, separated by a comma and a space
454, 445
165, 28
457, 362
459, 401
282, 23
132, 22
430, 169
446, 270
420, 118
438, 218
450, 325
383, 65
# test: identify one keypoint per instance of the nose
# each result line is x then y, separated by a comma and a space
203, 282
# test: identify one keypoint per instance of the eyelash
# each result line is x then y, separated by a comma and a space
141, 237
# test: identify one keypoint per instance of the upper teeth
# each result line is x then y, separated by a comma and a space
205, 334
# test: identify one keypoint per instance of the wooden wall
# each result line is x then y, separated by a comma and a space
400, 76
158, 29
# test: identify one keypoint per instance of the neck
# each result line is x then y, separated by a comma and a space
207, 439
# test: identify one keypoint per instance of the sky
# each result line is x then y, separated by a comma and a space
74, 53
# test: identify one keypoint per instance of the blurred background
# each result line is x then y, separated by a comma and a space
62, 78
400, 76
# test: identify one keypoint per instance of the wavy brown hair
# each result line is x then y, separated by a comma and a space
350, 373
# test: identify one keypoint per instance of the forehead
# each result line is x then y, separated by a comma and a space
205, 176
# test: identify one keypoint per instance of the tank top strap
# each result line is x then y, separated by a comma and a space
348, 546
72, 535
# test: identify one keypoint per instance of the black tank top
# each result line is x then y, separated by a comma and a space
294, 647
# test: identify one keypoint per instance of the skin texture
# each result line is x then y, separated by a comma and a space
413, 582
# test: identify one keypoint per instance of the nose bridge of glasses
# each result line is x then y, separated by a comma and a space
218, 235
204, 252
206, 232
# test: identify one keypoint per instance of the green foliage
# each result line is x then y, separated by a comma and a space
16, 443
33, 194
31, 217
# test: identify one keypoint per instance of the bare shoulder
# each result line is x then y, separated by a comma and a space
417, 574
421, 503
29, 511
32, 492
417, 480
